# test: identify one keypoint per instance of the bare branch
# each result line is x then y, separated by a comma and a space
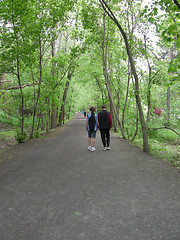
166, 128
177, 4
18, 87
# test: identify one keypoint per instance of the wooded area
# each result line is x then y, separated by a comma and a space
59, 57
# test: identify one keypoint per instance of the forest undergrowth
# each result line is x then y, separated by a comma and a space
165, 149
164, 143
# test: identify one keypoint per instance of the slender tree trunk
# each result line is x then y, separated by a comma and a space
48, 121
47, 118
2, 80
38, 125
69, 112
22, 98
21, 93
133, 69
39, 87
104, 48
169, 90
62, 111
127, 93
168, 105
2, 75
53, 112
149, 83
18, 75
114, 124
42, 121
53, 117
118, 102
101, 89
148, 101
177, 3
137, 124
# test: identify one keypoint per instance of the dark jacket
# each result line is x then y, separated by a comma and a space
105, 121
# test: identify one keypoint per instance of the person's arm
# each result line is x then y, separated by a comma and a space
87, 123
97, 122
110, 120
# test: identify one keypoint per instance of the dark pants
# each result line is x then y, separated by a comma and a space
105, 137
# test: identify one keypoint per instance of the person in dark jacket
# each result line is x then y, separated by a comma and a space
104, 122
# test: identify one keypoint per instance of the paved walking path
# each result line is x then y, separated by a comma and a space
55, 189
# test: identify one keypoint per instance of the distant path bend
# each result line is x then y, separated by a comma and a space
55, 189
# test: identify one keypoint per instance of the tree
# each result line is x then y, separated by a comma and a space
133, 69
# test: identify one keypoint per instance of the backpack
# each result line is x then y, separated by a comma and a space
92, 122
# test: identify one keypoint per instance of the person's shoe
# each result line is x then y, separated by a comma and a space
108, 148
89, 148
93, 149
105, 148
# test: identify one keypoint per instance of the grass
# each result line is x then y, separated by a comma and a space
7, 134
7, 139
165, 145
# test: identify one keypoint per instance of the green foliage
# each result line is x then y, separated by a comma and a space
8, 119
20, 137
90, 15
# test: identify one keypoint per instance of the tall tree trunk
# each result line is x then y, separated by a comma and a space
47, 121
137, 124
47, 118
114, 124
62, 111
127, 93
39, 87
168, 105
177, 3
22, 97
133, 69
101, 89
42, 122
2, 75
149, 82
169, 90
53, 112
2, 80
104, 48
18, 76
69, 112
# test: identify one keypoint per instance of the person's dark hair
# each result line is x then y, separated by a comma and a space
92, 109
103, 106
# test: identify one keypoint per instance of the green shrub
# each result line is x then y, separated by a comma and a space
153, 134
20, 137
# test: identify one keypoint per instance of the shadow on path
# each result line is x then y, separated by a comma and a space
55, 189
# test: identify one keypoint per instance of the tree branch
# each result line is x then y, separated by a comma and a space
18, 87
166, 128
177, 4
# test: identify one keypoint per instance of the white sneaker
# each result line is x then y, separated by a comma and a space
108, 148
89, 148
105, 148
93, 149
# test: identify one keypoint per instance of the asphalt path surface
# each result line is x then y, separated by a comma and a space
55, 189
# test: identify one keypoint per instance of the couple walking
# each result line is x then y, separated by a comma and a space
103, 121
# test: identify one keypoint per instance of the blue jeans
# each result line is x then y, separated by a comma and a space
92, 134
